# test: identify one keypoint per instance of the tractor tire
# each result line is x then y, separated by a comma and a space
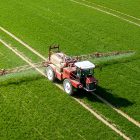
68, 88
50, 74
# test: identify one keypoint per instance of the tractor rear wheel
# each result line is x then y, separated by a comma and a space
50, 74
68, 86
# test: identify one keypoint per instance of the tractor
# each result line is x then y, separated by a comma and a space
74, 74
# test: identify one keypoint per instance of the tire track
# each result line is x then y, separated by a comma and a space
106, 12
117, 110
130, 16
23, 43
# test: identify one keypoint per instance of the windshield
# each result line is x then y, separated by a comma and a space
87, 72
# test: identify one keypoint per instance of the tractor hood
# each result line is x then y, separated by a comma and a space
85, 65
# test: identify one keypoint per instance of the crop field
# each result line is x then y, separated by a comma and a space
31, 107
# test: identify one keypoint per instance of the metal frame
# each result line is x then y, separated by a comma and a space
3, 72
53, 47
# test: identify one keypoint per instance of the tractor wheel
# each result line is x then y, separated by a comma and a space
68, 86
50, 74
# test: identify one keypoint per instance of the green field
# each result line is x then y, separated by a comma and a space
33, 108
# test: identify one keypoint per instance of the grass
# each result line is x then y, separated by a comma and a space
100, 33
78, 30
30, 110
18, 46
7, 59
131, 7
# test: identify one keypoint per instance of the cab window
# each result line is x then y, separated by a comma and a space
87, 72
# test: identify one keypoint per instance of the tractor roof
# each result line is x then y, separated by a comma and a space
85, 65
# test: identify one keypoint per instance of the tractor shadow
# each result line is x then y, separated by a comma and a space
106, 94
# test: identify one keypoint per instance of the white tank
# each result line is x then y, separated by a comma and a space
58, 59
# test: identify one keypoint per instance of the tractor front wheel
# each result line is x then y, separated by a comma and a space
68, 86
50, 74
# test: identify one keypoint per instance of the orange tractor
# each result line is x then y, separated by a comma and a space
74, 74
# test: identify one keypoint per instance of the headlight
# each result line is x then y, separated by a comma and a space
80, 86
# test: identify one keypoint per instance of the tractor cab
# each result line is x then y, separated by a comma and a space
85, 72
